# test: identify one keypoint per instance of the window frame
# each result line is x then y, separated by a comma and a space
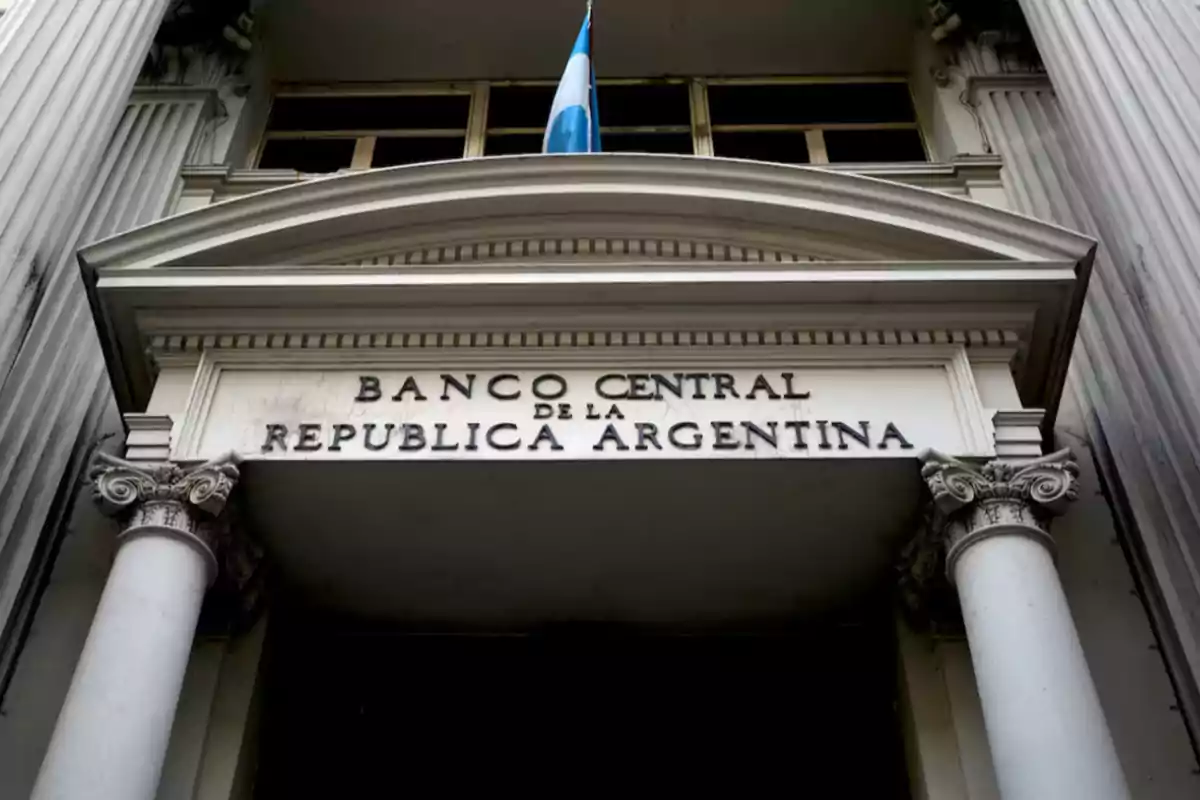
476, 133
690, 128
365, 139
814, 133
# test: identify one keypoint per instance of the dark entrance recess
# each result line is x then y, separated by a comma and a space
581, 712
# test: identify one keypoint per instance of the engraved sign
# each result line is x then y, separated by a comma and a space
824, 412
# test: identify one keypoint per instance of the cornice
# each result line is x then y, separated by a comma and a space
954, 177
608, 234
279, 222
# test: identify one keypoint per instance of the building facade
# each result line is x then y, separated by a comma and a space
831, 432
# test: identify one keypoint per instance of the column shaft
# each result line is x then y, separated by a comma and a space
114, 727
66, 69
112, 733
1125, 73
1044, 722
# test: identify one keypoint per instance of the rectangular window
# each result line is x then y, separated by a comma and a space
325, 133
307, 155
783, 120
516, 118
636, 116
815, 121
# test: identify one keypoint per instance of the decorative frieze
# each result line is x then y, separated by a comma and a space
163, 345
587, 248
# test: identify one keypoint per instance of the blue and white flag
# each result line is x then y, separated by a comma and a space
574, 125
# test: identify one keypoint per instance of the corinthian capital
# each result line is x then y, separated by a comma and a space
168, 499
1000, 497
118, 486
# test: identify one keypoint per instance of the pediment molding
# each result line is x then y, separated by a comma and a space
890, 220
543, 238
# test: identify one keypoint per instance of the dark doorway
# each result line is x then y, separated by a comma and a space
581, 712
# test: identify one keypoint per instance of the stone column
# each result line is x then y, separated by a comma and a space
1127, 158
1047, 732
1125, 74
66, 70
112, 733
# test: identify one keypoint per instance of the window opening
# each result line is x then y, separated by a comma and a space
325, 133
816, 120
792, 121
638, 116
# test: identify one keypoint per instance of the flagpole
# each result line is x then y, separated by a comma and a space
594, 135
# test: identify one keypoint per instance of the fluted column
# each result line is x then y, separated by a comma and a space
1045, 726
66, 69
1125, 74
113, 730
1116, 153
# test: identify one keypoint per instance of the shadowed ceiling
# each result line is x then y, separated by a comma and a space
379, 40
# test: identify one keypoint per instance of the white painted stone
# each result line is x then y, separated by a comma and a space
1047, 732
929, 404
113, 730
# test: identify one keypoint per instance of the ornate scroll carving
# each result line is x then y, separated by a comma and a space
1016, 497
167, 499
971, 503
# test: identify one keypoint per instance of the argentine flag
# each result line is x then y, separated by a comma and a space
574, 125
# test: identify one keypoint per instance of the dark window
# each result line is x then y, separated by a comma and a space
369, 113
857, 122
647, 143
519, 106
643, 104
788, 147
874, 145
845, 122
307, 155
809, 103
393, 151
513, 144
636, 118
438, 123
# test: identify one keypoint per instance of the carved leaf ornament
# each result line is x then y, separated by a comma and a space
119, 485
1017, 497
1049, 482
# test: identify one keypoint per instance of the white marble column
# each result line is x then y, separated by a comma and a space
66, 70
113, 730
1045, 726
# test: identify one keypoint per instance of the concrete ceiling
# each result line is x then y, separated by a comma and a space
501, 546
380, 40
